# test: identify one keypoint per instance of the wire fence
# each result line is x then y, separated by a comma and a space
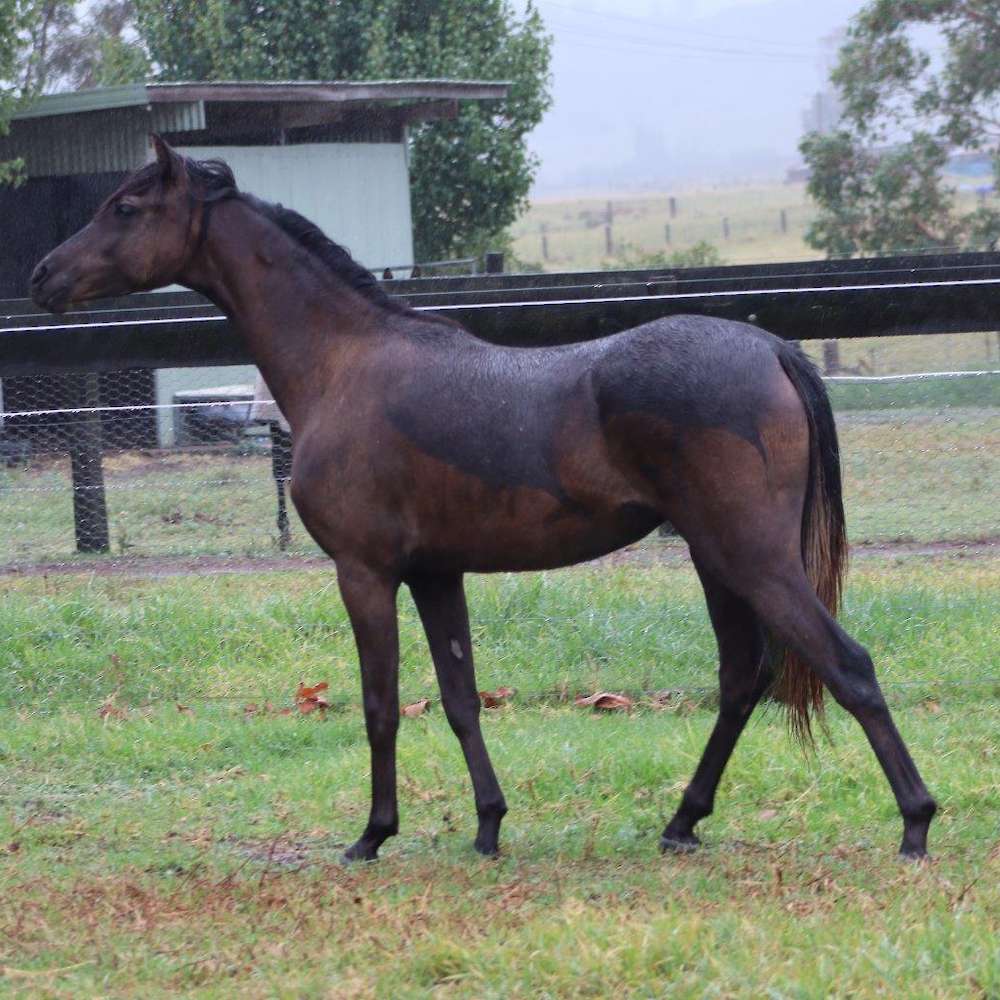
141, 469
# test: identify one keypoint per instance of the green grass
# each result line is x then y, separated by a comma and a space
637, 626
172, 853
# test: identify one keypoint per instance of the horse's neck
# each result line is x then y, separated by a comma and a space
299, 323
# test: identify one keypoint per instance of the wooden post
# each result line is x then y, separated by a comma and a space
494, 262
831, 357
90, 512
281, 469
609, 241
673, 207
545, 241
667, 234
783, 221
725, 228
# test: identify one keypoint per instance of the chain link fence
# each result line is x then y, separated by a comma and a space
101, 470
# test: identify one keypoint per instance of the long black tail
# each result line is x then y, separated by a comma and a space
824, 534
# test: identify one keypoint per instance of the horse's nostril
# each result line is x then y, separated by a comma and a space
39, 274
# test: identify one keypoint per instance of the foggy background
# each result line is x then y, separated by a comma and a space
656, 93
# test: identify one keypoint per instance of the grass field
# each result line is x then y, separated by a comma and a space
575, 227
165, 852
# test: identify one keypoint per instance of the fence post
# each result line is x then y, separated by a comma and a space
494, 262
90, 512
281, 470
831, 357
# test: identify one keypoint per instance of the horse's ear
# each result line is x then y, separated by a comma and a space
168, 160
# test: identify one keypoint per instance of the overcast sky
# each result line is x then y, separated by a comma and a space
650, 93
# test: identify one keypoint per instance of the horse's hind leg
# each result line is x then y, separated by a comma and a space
440, 601
789, 608
743, 677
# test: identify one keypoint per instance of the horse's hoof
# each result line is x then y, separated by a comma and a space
360, 852
915, 855
675, 843
487, 850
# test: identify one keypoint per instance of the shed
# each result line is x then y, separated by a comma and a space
335, 151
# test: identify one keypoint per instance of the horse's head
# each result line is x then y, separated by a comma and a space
140, 238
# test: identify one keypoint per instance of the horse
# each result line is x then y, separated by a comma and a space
423, 453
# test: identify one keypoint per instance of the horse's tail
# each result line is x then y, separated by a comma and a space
824, 536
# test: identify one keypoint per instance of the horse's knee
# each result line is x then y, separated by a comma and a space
462, 715
381, 724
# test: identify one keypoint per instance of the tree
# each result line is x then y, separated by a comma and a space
471, 174
918, 79
9, 24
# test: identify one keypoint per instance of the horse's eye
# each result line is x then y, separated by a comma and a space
125, 209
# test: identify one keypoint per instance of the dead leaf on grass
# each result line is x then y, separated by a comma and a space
111, 710
309, 699
417, 708
606, 701
767, 814
494, 699
184, 709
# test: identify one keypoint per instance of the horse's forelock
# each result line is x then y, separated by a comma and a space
213, 179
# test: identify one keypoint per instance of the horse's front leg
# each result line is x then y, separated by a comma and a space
441, 603
370, 599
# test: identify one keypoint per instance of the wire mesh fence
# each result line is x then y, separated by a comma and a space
101, 470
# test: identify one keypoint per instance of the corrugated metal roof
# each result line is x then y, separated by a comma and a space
264, 92
115, 140
105, 130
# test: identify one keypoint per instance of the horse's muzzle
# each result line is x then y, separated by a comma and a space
47, 291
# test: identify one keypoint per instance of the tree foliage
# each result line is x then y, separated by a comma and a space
918, 79
67, 45
471, 174
48, 45
700, 254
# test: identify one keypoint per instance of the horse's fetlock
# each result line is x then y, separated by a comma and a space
921, 810
492, 810
694, 806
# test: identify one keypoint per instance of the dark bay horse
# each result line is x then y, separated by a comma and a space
422, 453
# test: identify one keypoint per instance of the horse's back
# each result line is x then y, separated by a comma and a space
689, 370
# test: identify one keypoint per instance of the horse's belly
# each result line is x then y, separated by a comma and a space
525, 532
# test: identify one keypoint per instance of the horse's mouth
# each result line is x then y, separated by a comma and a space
55, 300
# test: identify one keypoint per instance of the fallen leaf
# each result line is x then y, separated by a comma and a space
767, 814
109, 710
606, 702
417, 708
932, 706
309, 699
494, 699
184, 710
